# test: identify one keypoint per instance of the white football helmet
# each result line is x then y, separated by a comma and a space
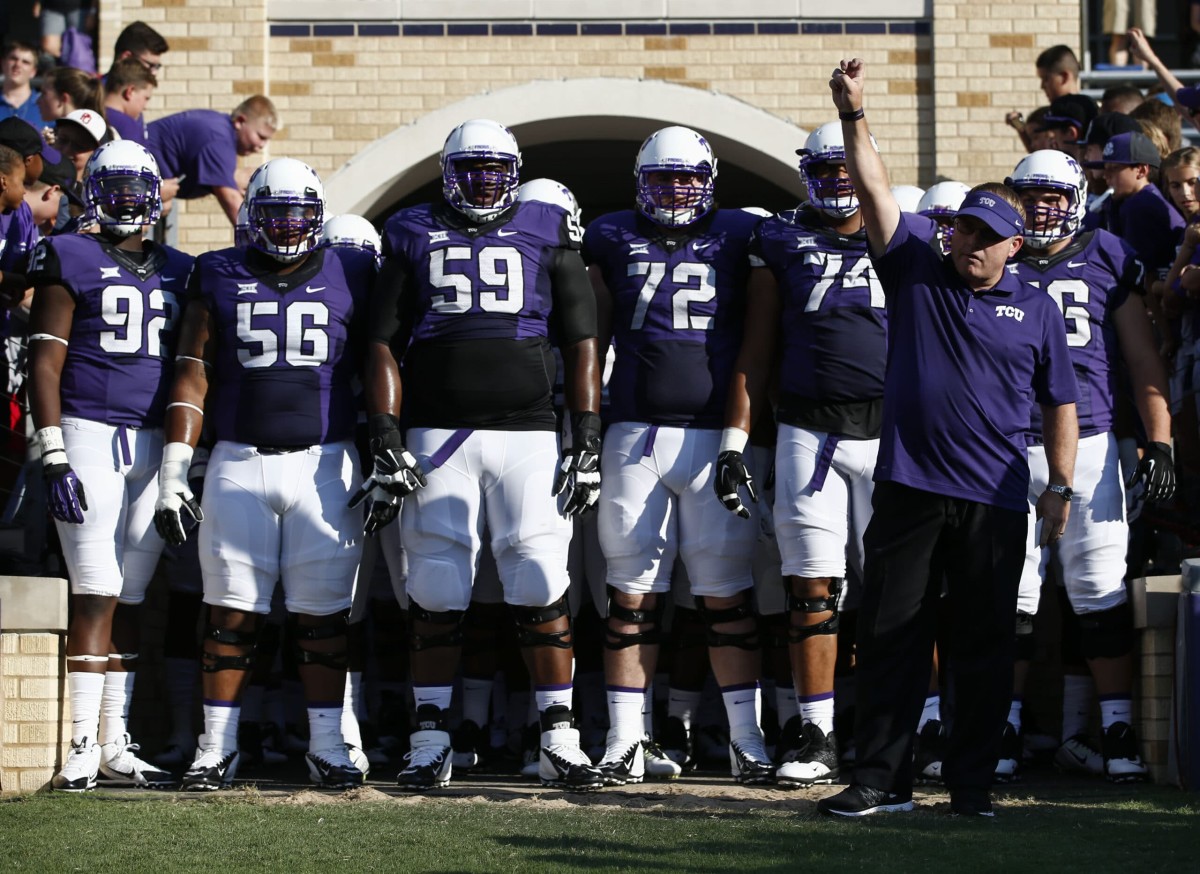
675, 150
480, 194
834, 196
241, 228
285, 206
353, 232
122, 188
1050, 168
550, 191
908, 196
941, 203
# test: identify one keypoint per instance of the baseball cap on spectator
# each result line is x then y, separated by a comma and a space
994, 212
1070, 109
1107, 125
1189, 97
92, 122
1130, 148
24, 138
62, 174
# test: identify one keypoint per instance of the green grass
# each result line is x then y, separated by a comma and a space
1095, 830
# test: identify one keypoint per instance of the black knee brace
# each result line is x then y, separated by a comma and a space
331, 627
529, 616
651, 617
211, 662
1107, 633
712, 618
824, 604
452, 619
1024, 651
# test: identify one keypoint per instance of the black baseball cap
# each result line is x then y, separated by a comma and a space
1107, 125
20, 135
1070, 109
1130, 148
61, 174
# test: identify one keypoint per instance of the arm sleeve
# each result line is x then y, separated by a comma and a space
574, 301
389, 307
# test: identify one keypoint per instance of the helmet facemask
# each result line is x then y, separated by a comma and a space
683, 200
832, 194
480, 185
123, 200
285, 226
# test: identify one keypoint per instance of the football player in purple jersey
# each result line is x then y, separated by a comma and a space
670, 279
270, 341
1097, 281
469, 291
103, 330
814, 296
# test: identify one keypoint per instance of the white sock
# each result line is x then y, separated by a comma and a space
477, 699
743, 707
818, 709
1014, 714
553, 696
1115, 709
221, 725
350, 729
114, 705
625, 711
1077, 704
786, 704
438, 696
182, 678
325, 728
932, 710
85, 690
683, 704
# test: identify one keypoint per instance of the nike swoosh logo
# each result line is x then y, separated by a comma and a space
1076, 263
744, 701
697, 246
504, 233
311, 290
166, 278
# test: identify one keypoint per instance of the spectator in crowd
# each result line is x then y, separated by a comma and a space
1163, 118
55, 17
1139, 48
18, 97
80, 134
1120, 14
1067, 120
1058, 68
66, 89
1121, 98
200, 148
143, 43
128, 87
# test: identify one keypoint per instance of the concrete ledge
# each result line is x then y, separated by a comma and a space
33, 604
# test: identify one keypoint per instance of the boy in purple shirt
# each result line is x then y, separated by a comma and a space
969, 349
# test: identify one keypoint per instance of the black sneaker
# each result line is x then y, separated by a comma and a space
1008, 767
470, 743
1122, 763
928, 752
858, 800
790, 740
816, 761
676, 743
971, 802
430, 757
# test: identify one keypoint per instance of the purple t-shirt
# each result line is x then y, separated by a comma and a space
18, 236
678, 306
127, 127
200, 143
124, 329
1088, 281
1152, 226
963, 370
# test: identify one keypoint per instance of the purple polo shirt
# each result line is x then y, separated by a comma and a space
963, 370
1152, 226
128, 127
200, 143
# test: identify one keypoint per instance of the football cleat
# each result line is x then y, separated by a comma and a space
816, 761
469, 742
562, 763
120, 766
1078, 756
1122, 764
79, 771
790, 740
858, 800
929, 750
749, 762
430, 757
212, 769
658, 765
1008, 767
359, 759
623, 761
332, 768
676, 743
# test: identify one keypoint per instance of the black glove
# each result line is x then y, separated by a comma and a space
1155, 473
579, 472
177, 509
731, 475
395, 474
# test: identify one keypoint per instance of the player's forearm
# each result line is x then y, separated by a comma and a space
581, 376
185, 405
381, 379
1060, 434
45, 379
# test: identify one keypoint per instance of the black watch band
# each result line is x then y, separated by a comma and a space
1064, 492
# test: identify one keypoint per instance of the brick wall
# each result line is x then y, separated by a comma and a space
33, 725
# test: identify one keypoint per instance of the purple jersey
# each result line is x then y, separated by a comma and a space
1088, 281
963, 371
1151, 226
678, 306
198, 143
18, 236
285, 346
121, 350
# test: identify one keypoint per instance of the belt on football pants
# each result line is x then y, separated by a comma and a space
443, 452
279, 450
824, 460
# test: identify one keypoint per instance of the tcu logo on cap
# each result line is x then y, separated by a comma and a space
987, 201
1010, 312
1108, 148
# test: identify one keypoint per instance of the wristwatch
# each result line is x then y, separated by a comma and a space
1064, 492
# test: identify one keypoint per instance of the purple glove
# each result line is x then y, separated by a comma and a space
63, 488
